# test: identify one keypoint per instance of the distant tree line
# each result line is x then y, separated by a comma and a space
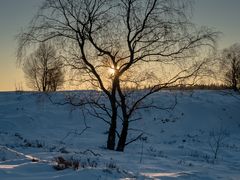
44, 70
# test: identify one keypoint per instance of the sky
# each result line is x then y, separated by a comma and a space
222, 15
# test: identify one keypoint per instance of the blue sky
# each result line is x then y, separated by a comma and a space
223, 15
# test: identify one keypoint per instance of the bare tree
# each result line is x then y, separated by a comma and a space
230, 66
216, 141
118, 46
43, 71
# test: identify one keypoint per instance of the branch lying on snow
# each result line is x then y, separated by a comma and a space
30, 157
89, 151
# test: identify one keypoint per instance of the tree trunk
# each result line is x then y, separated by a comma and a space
234, 83
234, 75
123, 137
235, 88
112, 129
111, 136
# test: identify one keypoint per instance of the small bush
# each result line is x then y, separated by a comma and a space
62, 164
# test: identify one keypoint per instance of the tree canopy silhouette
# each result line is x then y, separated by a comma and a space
131, 39
43, 71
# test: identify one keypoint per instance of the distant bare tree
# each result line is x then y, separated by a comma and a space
230, 65
118, 46
216, 141
43, 71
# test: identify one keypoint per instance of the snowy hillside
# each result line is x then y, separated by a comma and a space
198, 139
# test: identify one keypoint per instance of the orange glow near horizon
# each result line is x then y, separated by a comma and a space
15, 16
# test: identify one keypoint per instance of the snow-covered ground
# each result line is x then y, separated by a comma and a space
177, 144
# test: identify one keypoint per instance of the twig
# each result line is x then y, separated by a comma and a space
135, 139
90, 151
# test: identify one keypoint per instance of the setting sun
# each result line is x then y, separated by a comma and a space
111, 71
